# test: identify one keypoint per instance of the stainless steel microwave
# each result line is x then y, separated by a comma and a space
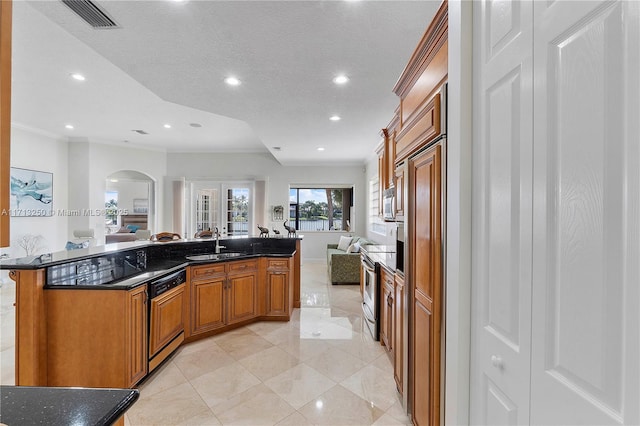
389, 204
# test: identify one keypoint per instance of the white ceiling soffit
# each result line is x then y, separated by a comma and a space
167, 62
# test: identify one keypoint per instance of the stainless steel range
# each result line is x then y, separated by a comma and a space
371, 258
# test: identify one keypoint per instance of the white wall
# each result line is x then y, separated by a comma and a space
278, 178
99, 161
37, 151
387, 233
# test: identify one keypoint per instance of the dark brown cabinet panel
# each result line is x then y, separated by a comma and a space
426, 272
398, 332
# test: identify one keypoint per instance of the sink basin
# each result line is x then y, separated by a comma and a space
214, 256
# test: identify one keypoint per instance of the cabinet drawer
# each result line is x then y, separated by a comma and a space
243, 266
281, 264
207, 271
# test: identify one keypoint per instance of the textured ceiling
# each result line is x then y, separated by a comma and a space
167, 62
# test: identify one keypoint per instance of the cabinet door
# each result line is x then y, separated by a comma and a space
167, 318
426, 273
386, 309
277, 293
398, 332
207, 301
136, 335
399, 188
242, 292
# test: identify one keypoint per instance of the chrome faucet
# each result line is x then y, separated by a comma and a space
218, 246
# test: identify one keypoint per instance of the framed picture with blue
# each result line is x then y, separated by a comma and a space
31, 192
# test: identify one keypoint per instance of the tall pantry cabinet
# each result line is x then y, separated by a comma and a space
420, 145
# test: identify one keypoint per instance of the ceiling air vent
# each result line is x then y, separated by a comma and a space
140, 132
92, 13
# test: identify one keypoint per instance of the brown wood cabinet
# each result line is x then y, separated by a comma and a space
426, 273
382, 175
278, 287
136, 328
96, 338
167, 318
398, 332
5, 118
400, 182
222, 294
386, 310
207, 302
242, 291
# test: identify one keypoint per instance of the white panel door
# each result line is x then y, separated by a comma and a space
584, 365
502, 197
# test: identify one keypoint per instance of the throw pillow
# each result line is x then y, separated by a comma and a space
133, 228
344, 243
354, 248
124, 230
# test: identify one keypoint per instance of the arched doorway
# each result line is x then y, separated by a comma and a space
130, 201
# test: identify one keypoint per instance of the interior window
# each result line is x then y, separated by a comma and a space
320, 209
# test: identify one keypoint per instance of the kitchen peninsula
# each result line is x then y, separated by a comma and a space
107, 316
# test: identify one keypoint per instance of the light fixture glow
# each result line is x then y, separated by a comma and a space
113, 180
320, 149
167, 126
341, 79
78, 77
334, 118
232, 81
68, 126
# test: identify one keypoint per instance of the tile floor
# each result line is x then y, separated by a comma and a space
322, 367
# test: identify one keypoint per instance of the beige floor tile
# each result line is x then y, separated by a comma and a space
304, 349
397, 412
299, 384
384, 363
373, 385
339, 406
387, 420
242, 345
208, 358
361, 347
170, 407
336, 364
167, 376
258, 405
224, 383
269, 362
295, 419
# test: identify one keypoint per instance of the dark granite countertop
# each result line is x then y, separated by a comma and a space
177, 246
25, 405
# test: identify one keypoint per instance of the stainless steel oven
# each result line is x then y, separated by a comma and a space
370, 295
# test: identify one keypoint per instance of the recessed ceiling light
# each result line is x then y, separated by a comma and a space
113, 180
341, 79
232, 81
78, 77
68, 126
334, 118
167, 126
320, 149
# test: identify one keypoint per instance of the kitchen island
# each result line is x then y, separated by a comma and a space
89, 317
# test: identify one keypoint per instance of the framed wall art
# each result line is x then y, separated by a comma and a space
31, 192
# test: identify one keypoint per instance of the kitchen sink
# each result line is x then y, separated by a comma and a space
215, 256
